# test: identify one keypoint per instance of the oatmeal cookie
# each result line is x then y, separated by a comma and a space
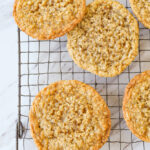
141, 8
48, 19
69, 115
136, 106
105, 42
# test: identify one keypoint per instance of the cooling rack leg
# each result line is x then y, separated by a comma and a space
19, 133
19, 129
17, 136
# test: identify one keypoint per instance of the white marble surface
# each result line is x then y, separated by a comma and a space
9, 80
8, 76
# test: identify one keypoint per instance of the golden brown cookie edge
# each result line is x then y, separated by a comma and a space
147, 25
102, 74
68, 28
96, 147
130, 85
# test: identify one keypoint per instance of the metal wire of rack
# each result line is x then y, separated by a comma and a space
43, 62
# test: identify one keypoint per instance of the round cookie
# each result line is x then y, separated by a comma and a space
141, 8
105, 42
69, 115
136, 106
48, 19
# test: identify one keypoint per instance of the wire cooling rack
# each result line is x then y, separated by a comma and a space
43, 62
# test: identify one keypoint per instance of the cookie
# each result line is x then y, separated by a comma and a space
69, 115
48, 19
141, 8
105, 42
136, 106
